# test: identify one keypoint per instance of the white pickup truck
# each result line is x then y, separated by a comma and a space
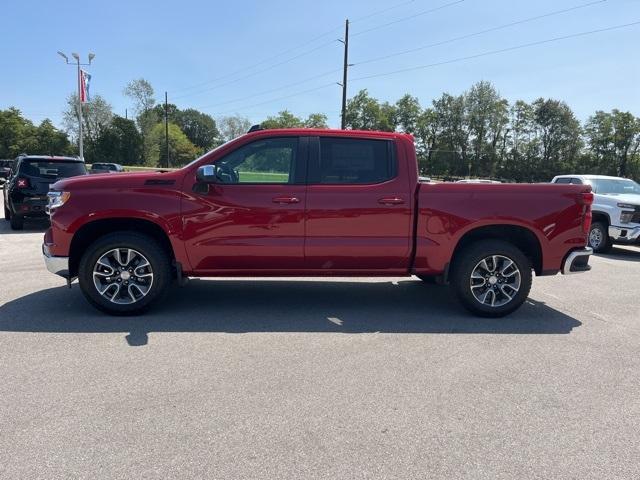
616, 209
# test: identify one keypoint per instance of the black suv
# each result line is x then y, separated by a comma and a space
25, 193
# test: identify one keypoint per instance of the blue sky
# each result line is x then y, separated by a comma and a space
231, 50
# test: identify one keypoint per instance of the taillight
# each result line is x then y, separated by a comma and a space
23, 183
587, 201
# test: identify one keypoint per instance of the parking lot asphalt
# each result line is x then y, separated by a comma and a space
319, 378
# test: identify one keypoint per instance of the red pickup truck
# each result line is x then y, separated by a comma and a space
304, 202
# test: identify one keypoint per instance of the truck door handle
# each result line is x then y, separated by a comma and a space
391, 201
285, 200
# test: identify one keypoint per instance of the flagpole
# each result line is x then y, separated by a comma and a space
80, 90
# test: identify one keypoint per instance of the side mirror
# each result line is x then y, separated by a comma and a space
206, 174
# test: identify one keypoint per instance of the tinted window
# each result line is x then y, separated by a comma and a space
45, 169
604, 186
563, 180
354, 161
264, 161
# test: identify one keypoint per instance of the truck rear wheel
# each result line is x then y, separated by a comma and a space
123, 273
491, 278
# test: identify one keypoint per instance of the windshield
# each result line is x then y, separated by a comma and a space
58, 169
604, 186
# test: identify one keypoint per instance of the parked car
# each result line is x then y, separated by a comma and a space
25, 194
305, 202
5, 168
106, 168
616, 209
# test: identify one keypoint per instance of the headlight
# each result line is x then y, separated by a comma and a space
57, 199
627, 205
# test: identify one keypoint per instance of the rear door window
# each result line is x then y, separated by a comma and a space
51, 170
353, 161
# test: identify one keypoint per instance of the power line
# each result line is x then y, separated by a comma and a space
332, 84
289, 50
480, 32
409, 17
495, 52
272, 90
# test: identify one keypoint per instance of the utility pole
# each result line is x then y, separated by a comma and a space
166, 124
344, 73
79, 107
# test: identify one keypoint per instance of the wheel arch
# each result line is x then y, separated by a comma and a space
519, 236
600, 216
91, 231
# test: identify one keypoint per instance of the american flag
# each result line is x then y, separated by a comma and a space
85, 79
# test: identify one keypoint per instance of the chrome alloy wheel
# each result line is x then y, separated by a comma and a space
123, 276
495, 281
595, 238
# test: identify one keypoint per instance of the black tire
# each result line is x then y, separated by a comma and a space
470, 259
156, 256
7, 213
17, 222
599, 237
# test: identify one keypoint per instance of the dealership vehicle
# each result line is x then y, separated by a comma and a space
25, 193
5, 168
616, 209
106, 168
304, 202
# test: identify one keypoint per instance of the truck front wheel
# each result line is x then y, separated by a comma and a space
491, 278
123, 273
599, 237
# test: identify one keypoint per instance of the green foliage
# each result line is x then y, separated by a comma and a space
366, 113
479, 134
181, 150
20, 135
119, 143
285, 119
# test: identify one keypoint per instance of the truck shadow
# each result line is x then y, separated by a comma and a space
241, 306
628, 254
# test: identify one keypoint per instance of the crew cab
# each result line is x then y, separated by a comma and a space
615, 209
25, 193
305, 202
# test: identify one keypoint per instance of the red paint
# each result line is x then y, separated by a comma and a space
261, 230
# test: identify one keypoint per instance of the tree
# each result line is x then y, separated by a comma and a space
407, 113
366, 113
487, 116
181, 150
316, 120
52, 141
199, 128
614, 139
96, 116
120, 143
142, 94
233, 126
284, 119
17, 134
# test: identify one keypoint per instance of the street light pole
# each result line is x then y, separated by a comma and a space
80, 139
79, 106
